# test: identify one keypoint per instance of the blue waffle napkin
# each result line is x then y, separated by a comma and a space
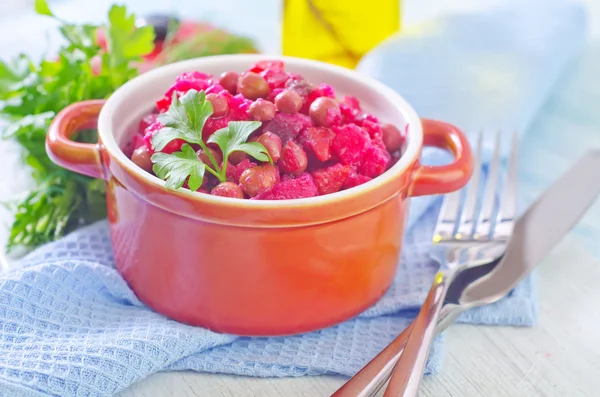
70, 326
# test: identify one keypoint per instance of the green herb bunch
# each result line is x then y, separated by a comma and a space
31, 94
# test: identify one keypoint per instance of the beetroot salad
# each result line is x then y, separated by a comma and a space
264, 134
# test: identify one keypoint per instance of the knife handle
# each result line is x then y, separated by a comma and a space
408, 372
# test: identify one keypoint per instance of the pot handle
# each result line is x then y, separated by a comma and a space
442, 179
83, 158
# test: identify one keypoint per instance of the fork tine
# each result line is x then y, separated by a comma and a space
467, 220
448, 218
508, 203
484, 223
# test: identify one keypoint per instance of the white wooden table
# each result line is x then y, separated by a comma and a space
560, 356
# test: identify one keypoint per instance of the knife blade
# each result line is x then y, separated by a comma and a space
540, 228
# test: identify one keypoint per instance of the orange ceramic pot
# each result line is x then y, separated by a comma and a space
251, 267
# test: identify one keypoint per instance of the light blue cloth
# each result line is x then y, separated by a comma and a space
491, 72
70, 326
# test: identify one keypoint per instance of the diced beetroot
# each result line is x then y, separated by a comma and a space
333, 117
260, 66
153, 129
231, 172
146, 121
193, 76
365, 117
313, 162
215, 89
331, 179
274, 92
299, 85
138, 140
241, 167
350, 110
162, 105
275, 78
370, 117
301, 187
288, 126
213, 124
377, 140
185, 82
293, 159
238, 107
375, 161
355, 179
318, 140
287, 177
350, 143
173, 146
372, 128
349, 115
327, 90
351, 102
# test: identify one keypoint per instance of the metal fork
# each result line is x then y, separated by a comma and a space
473, 238
468, 241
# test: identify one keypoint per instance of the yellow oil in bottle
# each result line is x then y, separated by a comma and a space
337, 31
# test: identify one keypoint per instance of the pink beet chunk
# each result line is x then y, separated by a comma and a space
301, 187
241, 167
374, 129
355, 179
331, 179
318, 140
288, 126
350, 143
375, 161
146, 121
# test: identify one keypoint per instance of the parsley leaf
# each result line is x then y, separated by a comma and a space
41, 7
184, 119
126, 43
175, 168
13, 75
233, 139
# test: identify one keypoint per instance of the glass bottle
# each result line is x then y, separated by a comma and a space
337, 31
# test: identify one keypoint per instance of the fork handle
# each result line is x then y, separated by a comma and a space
408, 371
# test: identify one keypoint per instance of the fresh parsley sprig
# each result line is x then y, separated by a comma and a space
185, 120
